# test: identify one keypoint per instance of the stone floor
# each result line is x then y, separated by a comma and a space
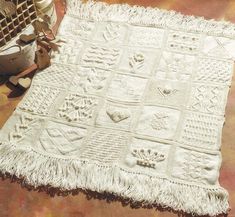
18, 202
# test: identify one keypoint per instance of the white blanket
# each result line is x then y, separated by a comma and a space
132, 105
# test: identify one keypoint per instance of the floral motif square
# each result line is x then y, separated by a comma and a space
138, 61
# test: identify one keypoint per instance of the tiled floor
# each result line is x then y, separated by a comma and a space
18, 202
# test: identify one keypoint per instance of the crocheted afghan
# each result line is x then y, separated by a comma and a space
133, 105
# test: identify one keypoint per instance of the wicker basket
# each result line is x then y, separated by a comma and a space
10, 27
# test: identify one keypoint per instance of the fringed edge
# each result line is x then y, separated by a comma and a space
148, 16
69, 174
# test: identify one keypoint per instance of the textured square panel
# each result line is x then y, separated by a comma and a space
90, 80
79, 28
158, 122
116, 115
201, 130
183, 42
132, 105
37, 100
146, 37
175, 66
63, 140
167, 92
100, 56
196, 166
57, 75
138, 61
111, 33
104, 146
147, 156
77, 108
214, 70
208, 98
73, 47
126, 88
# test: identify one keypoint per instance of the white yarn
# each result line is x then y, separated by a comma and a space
132, 105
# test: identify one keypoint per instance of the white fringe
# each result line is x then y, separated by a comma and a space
39, 170
100, 11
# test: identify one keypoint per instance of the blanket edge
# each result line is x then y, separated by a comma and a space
68, 175
149, 16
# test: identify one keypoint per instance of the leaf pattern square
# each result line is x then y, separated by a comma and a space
110, 33
138, 61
